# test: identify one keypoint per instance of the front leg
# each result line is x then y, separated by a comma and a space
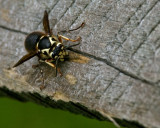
49, 62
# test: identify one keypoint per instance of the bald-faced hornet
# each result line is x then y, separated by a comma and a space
49, 48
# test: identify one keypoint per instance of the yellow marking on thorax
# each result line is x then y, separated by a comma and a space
52, 42
38, 42
44, 56
47, 50
41, 37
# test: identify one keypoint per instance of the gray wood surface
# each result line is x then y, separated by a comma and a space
114, 72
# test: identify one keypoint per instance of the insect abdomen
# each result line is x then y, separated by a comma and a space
32, 40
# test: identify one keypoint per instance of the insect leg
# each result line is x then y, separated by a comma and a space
54, 66
60, 37
43, 85
38, 66
81, 26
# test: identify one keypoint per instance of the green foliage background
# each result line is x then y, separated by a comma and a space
14, 114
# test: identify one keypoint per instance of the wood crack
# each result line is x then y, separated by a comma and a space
94, 57
65, 12
139, 46
136, 24
113, 66
127, 21
156, 42
111, 82
13, 30
80, 13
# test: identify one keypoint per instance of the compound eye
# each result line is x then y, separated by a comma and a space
44, 43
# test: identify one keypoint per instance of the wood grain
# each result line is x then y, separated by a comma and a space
114, 72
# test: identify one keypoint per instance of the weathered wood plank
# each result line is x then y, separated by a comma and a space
114, 71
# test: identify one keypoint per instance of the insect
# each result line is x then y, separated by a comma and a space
49, 48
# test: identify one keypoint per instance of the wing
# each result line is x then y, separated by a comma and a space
46, 23
25, 58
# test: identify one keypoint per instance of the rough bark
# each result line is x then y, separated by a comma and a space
114, 72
